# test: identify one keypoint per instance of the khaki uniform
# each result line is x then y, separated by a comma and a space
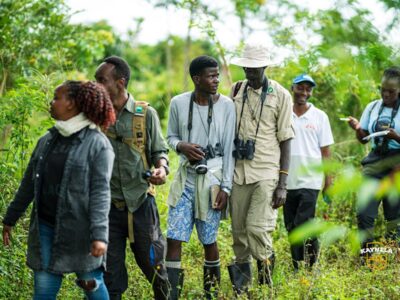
253, 218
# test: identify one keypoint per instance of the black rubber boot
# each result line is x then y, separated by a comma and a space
212, 279
265, 270
175, 277
312, 250
296, 266
240, 275
297, 253
115, 296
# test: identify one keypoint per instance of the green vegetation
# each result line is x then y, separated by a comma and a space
40, 49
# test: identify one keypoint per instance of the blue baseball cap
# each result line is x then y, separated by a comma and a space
304, 78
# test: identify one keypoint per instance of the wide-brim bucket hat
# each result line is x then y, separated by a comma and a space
254, 56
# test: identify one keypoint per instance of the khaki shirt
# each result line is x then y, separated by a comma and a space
127, 182
275, 126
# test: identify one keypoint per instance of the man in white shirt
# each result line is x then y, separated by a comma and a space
309, 148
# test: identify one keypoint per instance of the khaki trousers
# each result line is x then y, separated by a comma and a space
253, 220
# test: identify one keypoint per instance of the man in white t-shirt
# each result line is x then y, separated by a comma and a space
309, 148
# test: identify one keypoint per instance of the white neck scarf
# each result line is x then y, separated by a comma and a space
75, 124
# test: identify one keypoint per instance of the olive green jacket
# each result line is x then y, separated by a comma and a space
127, 182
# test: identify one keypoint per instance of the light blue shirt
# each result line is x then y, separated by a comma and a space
222, 130
369, 121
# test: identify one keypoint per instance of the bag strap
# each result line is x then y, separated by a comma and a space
139, 130
139, 135
238, 85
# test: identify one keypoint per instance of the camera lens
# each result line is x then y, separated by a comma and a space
250, 149
201, 166
240, 152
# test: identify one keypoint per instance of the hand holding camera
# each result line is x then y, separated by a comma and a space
193, 152
201, 165
198, 155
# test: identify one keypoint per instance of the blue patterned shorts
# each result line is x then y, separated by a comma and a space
181, 221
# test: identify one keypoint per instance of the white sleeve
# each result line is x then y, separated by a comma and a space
325, 137
365, 117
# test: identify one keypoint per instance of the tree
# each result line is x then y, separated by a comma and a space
36, 34
245, 10
36, 38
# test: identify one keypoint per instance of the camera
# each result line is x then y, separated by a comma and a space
146, 174
200, 166
381, 146
244, 150
381, 143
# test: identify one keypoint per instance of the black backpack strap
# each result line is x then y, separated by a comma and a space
238, 85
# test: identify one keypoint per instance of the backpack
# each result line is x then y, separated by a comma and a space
139, 136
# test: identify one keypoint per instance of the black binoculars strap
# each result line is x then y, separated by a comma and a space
394, 113
209, 115
263, 96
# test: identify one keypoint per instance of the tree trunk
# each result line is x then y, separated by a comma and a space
3, 138
3, 82
169, 67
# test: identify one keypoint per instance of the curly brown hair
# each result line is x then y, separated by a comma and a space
93, 100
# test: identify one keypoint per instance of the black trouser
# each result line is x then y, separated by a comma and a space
148, 248
367, 215
298, 209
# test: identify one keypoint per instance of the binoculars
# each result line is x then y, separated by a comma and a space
244, 150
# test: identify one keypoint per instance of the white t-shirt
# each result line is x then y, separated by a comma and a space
313, 132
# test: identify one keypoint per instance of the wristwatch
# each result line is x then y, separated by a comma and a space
226, 190
166, 169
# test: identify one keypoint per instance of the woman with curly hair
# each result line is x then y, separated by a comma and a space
68, 181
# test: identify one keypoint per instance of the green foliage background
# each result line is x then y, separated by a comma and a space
39, 49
